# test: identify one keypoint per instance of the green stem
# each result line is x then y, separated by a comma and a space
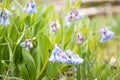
78, 72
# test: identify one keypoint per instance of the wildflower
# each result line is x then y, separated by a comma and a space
63, 57
4, 17
52, 59
55, 56
67, 57
77, 60
106, 35
27, 44
72, 58
80, 38
74, 14
54, 26
30, 7
69, 52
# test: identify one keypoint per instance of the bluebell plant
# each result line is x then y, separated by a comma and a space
66, 57
27, 44
106, 34
30, 7
4, 17
74, 14
55, 54
54, 26
80, 38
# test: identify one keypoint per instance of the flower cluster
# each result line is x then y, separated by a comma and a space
27, 44
4, 17
30, 7
106, 35
67, 57
74, 14
54, 26
80, 38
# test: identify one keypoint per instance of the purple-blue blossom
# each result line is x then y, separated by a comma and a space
55, 54
106, 34
4, 17
54, 26
27, 44
80, 38
66, 57
30, 7
73, 15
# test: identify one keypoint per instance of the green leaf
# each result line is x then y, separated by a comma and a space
30, 63
42, 56
68, 33
77, 4
69, 5
7, 3
23, 70
72, 42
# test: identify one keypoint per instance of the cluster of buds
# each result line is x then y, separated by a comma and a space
80, 38
73, 15
54, 26
27, 44
106, 34
67, 57
4, 17
30, 7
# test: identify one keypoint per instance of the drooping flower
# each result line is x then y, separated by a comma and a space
63, 57
30, 7
80, 38
106, 35
73, 58
77, 60
54, 26
76, 14
27, 44
52, 58
55, 54
66, 57
73, 15
4, 17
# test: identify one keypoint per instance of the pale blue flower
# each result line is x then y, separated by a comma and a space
69, 52
106, 35
73, 15
54, 26
76, 14
66, 57
80, 38
4, 17
55, 56
26, 44
73, 58
77, 60
52, 58
63, 57
30, 7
